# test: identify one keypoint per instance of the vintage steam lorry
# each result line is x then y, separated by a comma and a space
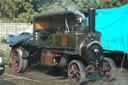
60, 41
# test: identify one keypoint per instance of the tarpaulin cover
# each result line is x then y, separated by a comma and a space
14, 40
112, 23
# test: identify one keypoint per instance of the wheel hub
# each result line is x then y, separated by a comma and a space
15, 61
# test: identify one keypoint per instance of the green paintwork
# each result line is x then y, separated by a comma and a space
55, 41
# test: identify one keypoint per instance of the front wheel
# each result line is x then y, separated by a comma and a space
107, 69
76, 72
19, 64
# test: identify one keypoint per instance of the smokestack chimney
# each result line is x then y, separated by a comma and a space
91, 12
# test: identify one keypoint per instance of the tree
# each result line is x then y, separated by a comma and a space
24, 10
52, 5
19, 10
27, 5
112, 3
48, 5
27, 9
8, 8
83, 4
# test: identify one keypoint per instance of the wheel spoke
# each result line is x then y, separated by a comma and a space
71, 68
76, 72
76, 79
78, 75
108, 69
76, 69
71, 75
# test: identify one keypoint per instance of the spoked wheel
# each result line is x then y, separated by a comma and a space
108, 69
76, 72
18, 63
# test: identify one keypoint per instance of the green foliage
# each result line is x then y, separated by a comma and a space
112, 3
47, 7
95, 2
8, 8
54, 6
6, 20
25, 17
24, 10
6, 57
80, 4
27, 9
19, 10
83, 4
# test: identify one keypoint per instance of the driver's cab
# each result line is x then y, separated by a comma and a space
56, 22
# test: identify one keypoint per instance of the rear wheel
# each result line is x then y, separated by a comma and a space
76, 72
108, 69
19, 64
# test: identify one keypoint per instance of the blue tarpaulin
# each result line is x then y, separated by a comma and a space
112, 23
14, 40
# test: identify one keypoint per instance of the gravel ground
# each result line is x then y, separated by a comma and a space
45, 76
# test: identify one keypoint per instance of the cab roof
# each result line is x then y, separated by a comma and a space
55, 13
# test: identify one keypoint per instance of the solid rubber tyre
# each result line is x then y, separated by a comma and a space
111, 72
19, 64
76, 69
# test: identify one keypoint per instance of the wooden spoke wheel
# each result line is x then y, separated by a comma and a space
76, 72
108, 69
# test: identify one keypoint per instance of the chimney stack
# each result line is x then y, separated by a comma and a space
91, 13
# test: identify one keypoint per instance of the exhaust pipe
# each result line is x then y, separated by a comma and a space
91, 12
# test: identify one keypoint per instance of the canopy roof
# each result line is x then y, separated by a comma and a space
55, 13
55, 20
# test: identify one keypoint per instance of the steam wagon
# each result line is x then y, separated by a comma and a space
59, 40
